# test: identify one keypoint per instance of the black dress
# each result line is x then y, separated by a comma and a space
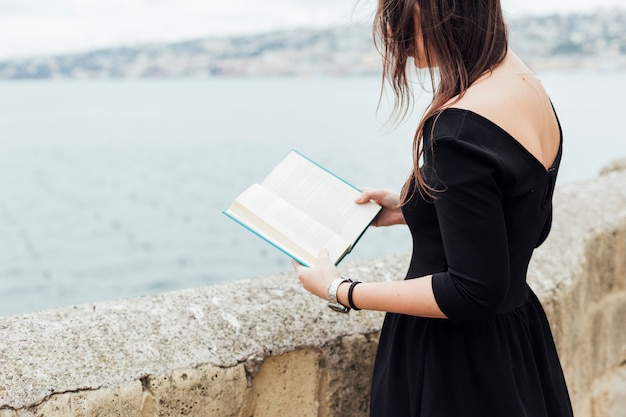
495, 356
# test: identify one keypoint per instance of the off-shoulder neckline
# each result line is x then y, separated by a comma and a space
510, 137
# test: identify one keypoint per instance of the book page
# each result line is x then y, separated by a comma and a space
321, 195
278, 221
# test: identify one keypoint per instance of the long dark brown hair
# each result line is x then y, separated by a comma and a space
463, 39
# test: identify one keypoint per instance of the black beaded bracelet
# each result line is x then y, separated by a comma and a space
350, 302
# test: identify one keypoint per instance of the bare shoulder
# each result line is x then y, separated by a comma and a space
512, 97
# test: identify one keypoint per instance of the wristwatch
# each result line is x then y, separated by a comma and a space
332, 295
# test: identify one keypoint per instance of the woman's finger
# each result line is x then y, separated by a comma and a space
297, 266
368, 195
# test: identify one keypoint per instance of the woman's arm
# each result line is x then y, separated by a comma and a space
413, 297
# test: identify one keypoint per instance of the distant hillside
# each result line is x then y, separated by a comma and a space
572, 41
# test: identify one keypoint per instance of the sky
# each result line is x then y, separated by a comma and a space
43, 27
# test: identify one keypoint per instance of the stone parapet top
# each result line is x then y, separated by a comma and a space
90, 346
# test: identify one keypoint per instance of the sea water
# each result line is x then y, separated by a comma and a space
115, 188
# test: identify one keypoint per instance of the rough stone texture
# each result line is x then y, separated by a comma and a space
617, 394
200, 392
264, 347
346, 367
615, 166
286, 385
118, 401
90, 346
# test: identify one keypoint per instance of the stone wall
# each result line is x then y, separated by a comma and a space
266, 348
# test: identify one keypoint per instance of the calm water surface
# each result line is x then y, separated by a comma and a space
113, 189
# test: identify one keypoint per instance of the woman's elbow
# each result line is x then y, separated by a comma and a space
463, 298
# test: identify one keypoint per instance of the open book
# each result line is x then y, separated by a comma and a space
300, 207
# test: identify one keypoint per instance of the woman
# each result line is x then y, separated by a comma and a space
464, 334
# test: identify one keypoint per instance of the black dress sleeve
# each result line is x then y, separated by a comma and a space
473, 230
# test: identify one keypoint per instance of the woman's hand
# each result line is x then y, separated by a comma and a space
413, 296
391, 213
316, 278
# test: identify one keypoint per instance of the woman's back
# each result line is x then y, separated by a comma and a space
514, 99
